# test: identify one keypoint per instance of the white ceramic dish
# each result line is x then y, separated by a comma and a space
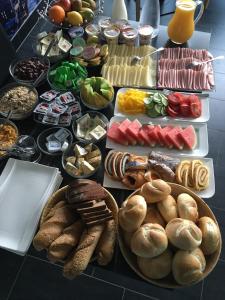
208, 193
200, 150
24, 189
203, 118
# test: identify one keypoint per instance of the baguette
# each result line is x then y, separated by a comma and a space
53, 228
61, 247
78, 262
105, 247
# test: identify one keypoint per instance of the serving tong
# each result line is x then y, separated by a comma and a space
136, 59
194, 63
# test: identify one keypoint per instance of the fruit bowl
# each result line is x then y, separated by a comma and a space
169, 282
96, 93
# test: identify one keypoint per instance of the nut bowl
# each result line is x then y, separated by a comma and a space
92, 114
169, 281
19, 112
70, 152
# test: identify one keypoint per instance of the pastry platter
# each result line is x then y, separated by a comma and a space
204, 117
200, 150
109, 182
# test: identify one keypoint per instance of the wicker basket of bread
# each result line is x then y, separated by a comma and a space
78, 224
168, 235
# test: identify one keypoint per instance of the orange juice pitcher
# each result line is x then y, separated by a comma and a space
182, 24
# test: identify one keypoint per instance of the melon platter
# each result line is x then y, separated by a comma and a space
134, 133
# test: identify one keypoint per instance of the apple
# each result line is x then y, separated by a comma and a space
65, 4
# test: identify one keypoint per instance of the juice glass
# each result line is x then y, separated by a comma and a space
182, 24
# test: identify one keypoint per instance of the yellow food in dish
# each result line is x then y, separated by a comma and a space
132, 101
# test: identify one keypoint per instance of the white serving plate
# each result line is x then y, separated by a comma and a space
207, 193
200, 150
24, 190
202, 119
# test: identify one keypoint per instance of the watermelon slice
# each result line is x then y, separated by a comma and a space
162, 135
148, 129
153, 134
144, 136
188, 136
133, 131
114, 134
123, 130
173, 137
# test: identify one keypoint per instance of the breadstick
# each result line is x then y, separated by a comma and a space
79, 261
105, 247
61, 247
53, 228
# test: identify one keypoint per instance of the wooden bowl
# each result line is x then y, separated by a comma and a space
169, 282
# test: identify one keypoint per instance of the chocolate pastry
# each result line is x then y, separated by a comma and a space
171, 162
137, 162
134, 179
162, 170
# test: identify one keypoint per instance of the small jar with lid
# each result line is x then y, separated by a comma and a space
104, 23
93, 30
130, 36
112, 35
145, 34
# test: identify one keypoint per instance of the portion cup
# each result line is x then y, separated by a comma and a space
112, 35
145, 34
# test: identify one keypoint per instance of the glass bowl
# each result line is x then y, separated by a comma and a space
4, 154
92, 115
14, 63
69, 152
41, 140
20, 115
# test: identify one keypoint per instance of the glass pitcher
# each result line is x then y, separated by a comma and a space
182, 24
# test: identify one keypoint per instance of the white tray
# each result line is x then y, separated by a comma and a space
208, 193
202, 119
200, 150
24, 190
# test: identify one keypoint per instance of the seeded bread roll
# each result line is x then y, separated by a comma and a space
210, 235
155, 191
149, 240
132, 215
168, 208
157, 267
187, 207
183, 234
188, 266
153, 216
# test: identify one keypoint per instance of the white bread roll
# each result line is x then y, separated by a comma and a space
183, 234
210, 235
168, 208
149, 240
188, 266
155, 191
153, 216
157, 267
132, 215
187, 207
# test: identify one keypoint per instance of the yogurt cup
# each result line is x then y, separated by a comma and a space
93, 30
123, 29
112, 35
145, 34
104, 23
130, 36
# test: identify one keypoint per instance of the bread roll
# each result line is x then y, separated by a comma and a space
210, 235
187, 207
155, 191
153, 216
168, 208
157, 267
127, 237
132, 215
149, 240
183, 234
105, 247
188, 266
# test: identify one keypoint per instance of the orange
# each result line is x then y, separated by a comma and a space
56, 14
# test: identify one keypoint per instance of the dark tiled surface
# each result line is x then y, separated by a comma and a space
39, 279
10, 266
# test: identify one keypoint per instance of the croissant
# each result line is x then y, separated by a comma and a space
53, 227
